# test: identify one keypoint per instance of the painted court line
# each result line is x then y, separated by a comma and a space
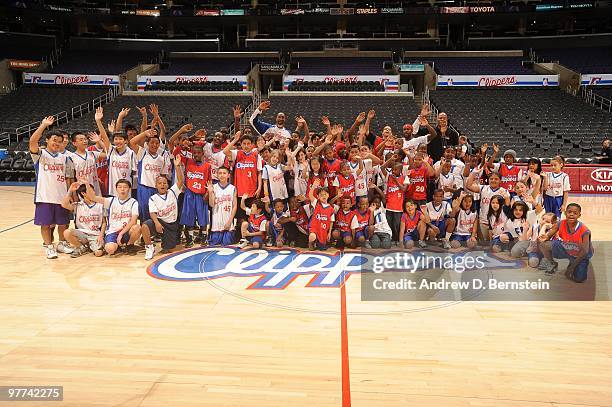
346, 379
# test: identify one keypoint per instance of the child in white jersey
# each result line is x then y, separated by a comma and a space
224, 202
163, 209
52, 169
122, 216
556, 188
273, 177
89, 220
466, 219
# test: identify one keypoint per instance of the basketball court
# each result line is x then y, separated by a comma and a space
113, 335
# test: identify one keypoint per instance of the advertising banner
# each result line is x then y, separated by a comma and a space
69, 79
391, 82
150, 80
498, 80
593, 79
23, 64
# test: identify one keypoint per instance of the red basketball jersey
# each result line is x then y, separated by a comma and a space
197, 176
245, 173
418, 183
343, 220
509, 176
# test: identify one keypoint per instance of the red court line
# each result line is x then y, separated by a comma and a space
346, 379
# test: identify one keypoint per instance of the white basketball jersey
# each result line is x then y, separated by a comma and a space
120, 166
557, 183
300, 185
51, 170
465, 222
223, 206
361, 180
216, 160
85, 167
150, 167
276, 181
498, 225
486, 193
166, 207
119, 213
437, 213
88, 219
448, 180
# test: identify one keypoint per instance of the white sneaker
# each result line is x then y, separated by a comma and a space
51, 253
243, 243
446, 244
149, 251
422, 244
64, 247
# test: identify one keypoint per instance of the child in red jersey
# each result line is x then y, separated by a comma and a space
412, 226
345, 182
396, 187
322, 219
362, 226
508, 171
420, 171
344, 218
314, 174
253, 230
195, 202
296, 227
247, 170
573, 243
330, 168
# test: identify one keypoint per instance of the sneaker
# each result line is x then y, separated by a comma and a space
367, 245
149, 251
446, 244
64, 247
548, 266
269, 242
243, 243
51, 253
422, 244
204, 240
189, 242
131, 250
198, 239
78, 252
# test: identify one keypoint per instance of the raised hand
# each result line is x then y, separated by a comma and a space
178, 163
150, 132
48, 121
186, 128
337, 130
265, 105
237, 112
99, 114
74, 186
245, 197
371, 114
209, 186
423, 120
483, 148
316, 183
154, 109
425, 110
360, 117
495, 148
93, 137
124, 112
111, 127
300, 121
142, 110
325, 120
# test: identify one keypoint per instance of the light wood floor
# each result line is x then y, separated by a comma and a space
114, 336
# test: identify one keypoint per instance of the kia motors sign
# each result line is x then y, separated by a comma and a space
69, 79
587, 178
498, 80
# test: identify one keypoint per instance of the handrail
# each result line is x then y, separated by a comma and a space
28, 129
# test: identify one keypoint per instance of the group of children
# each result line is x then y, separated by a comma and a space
267, 185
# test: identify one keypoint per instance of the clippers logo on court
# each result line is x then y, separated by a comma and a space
277, 269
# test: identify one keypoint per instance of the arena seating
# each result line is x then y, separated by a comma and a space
101, 62
339, 66
479, 66
359, 86
209, 112
603, 91
582, 60
211, 66
393, 111
534, 121
196, 86
30, 103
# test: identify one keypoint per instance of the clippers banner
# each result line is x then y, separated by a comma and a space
498, 80
593, 79
69, 79
150, 80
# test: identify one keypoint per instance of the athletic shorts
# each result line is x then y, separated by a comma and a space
221, 238
460, 238
195, 208
553, 204
169, 236
413, 235
144, 193
440, 224
276, 233
88, 239
112, 238
581, 270
363, 232
255, 239
47, 214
